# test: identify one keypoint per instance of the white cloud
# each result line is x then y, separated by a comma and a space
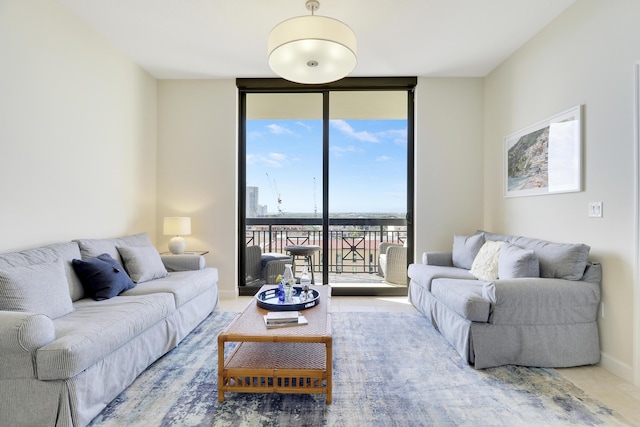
304, 125
394, 133
254, 134
279, 130
274, 160
399, 136
346, 128
383, 159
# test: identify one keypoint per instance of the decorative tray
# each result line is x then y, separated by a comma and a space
269, 300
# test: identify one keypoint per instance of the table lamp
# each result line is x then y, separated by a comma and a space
177, 226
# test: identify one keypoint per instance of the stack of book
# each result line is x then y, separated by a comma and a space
279, 319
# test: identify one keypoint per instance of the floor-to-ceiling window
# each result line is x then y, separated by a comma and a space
328, 168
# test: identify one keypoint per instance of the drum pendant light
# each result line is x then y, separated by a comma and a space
312, 49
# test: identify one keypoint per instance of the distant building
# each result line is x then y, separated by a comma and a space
252, 202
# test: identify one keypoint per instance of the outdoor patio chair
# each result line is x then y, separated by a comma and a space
392, 263
263, 268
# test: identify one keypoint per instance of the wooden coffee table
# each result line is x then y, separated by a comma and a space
295, 359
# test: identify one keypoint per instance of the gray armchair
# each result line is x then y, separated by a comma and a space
392, 263
263, 268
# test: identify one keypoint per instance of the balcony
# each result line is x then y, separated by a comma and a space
353, 246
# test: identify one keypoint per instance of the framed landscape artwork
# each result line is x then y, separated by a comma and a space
545, 158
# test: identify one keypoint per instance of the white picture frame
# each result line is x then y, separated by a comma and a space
546, 157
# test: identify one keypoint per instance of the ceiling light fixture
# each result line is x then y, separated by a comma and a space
312, 49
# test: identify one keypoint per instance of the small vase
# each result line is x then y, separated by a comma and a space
289, 281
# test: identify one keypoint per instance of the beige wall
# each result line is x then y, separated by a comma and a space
586, 57
197, 164
77, 131
197, 160
448, 163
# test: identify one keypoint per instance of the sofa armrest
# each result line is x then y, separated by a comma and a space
538, 301
443, 259
183, 262
22, 332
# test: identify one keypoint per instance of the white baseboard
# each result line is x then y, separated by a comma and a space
616, 367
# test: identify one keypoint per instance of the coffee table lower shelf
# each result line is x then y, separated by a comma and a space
276, 367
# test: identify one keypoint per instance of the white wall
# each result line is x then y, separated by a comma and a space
586, 56
77, 131
197, 164
448, 161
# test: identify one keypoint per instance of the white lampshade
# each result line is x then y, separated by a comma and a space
312, 49
177, 226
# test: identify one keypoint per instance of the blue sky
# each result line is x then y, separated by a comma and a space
367, 164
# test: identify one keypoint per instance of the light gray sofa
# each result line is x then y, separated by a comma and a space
64, 356
540, 310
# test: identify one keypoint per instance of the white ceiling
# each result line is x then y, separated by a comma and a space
187, 39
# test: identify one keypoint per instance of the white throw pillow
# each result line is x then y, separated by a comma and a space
485, 265
142, 263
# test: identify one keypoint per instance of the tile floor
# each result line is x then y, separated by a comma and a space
611, 390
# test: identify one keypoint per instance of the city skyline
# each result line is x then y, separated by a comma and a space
367, 165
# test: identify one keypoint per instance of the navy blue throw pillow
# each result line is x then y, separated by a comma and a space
102, 277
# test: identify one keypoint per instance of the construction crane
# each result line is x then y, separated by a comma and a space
315, 205
274, 189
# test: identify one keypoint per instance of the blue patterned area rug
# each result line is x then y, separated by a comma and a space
390, 369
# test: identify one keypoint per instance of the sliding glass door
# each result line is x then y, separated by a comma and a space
368, 196
284, 179
326, 177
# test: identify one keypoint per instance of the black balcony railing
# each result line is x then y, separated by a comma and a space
353, 242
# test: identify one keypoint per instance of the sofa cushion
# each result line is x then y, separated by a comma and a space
485, 265
465, 249
593, 273
495, 237
557, 260
142, 263
91, 248
97, 328
422, 275
464, 297
64, 252
183, 285
37, 288
102, 277
517, 262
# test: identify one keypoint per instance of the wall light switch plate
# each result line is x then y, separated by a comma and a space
595, 209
